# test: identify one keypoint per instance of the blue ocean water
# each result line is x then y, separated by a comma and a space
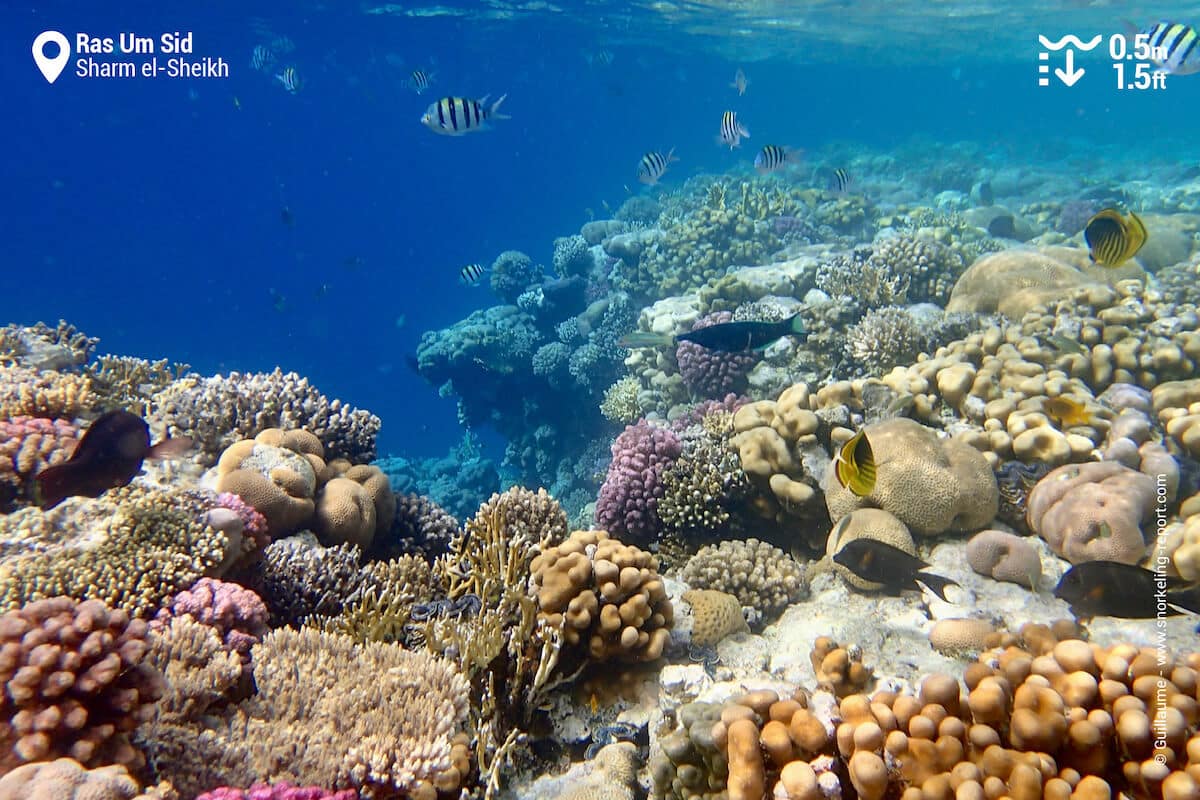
151, 212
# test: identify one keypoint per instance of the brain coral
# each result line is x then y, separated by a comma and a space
715, 615
276, 472
74, 683
614, 603
932, 485
628, 501
713, 373
760, 575
1094, 511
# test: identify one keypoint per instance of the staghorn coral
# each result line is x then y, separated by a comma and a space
53, 395
27, 446
884, 338
758, 574
382, 610
713, 373
869, 282
220, 410
130, 383
628, 501
328, 712
155, 543
200, 672
74, 683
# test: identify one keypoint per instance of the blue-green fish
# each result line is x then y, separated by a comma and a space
729, 337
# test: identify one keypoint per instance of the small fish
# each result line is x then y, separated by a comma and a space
1174, 44
1067, 411
654, 165
1002, 226
290, 80
287, 217
1064, 344
109, 455
854, 465
454, 116
419, 81
840, 181
400, 321
237, 103
773, 157
261, 58
604, 57
1113, 589
736, 337
1112, 239
278, 301
732, 131
282, 44
879, 562
740, 82
470, 274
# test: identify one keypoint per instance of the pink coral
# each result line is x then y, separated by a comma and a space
74, 683
27, 446
278, 791
713, 373
628, 503
254, 524
238, 614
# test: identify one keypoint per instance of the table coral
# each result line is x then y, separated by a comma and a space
1089, 512
610, 595
628, 501
218, 411
933, 485
74, 683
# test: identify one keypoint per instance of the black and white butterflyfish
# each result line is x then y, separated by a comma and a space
654, 165
471, 274
455, 116
419, 81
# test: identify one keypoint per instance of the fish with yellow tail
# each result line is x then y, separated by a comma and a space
727, 337
456, 116
879, 562
854, 465
1067, 411
1113, 239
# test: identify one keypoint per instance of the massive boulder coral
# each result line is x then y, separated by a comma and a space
932, 485
1090, 512
609, 594
74, 683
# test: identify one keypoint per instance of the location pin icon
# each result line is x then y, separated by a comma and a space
51, 67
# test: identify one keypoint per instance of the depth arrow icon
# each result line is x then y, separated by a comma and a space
1070, 75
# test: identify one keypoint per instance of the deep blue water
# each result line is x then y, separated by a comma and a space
148, 212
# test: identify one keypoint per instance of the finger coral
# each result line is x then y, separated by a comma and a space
74, 683
628, 501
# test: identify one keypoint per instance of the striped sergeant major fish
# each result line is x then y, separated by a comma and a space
774, 157
261, 58
290, 80
732, 131
1175, 46
419, 81
454, 116
840, 180
654, 165
470, 274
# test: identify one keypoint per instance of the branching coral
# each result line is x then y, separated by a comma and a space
703, 484
929, 267
52, 395
130, 383
42, 347
621, 401
760, 575
884, 338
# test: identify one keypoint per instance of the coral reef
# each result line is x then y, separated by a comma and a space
884, 338
74, 683
512, 273
713, 373
67, 779
237, 614
758, 574
40, 347
51, 395
628, 501
27, 446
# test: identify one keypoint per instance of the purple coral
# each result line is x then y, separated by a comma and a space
278, 791
238, 614
254, 524
712, 373
628, 503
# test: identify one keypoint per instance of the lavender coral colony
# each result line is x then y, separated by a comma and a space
807, 492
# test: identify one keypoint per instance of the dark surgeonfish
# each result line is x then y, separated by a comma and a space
879, 562
1113, 589
109, 455
728, 337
